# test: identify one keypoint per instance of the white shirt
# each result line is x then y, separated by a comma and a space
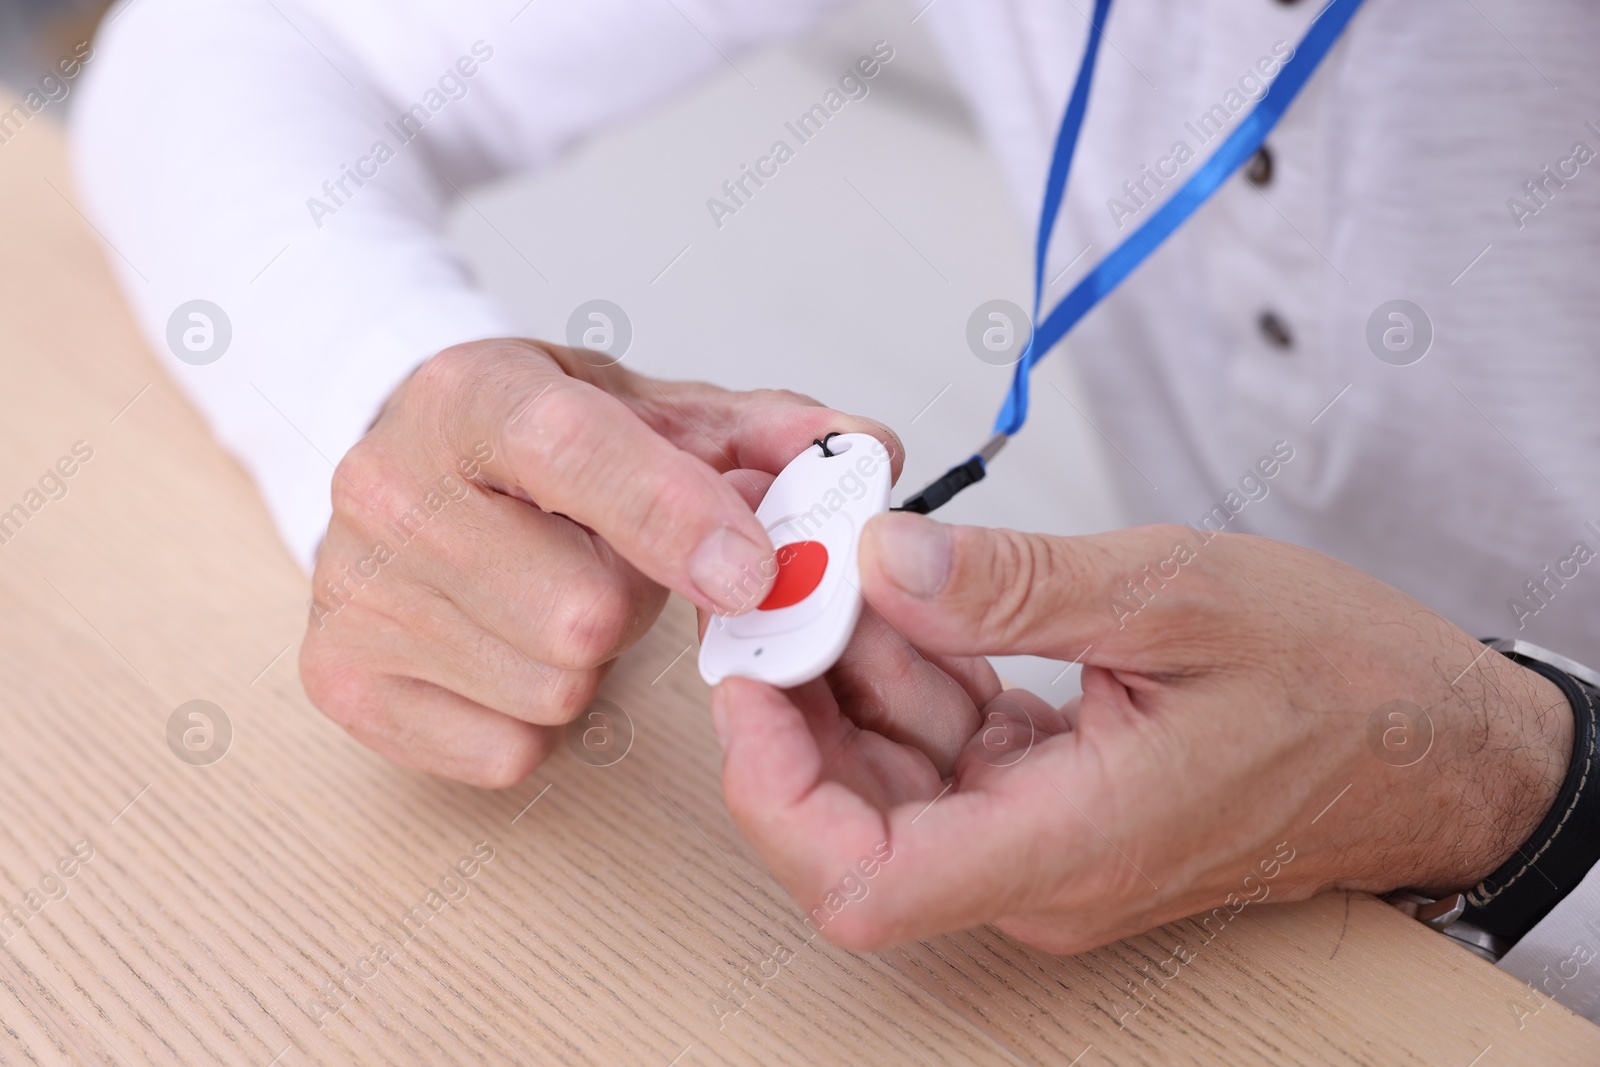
1468, 479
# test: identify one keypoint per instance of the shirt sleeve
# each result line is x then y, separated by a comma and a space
284, 172
1560, 957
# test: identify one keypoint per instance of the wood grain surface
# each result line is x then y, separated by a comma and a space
301, 901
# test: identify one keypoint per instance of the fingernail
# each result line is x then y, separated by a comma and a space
914, 553
727, 569
719, 720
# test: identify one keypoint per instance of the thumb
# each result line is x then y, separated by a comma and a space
971, 590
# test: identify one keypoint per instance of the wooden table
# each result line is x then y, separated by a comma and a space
300, 900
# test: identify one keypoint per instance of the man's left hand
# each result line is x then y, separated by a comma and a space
1253, 714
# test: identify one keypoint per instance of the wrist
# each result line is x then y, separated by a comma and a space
1507, 776
1539, 728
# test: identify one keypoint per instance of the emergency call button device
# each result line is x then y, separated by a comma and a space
814, 513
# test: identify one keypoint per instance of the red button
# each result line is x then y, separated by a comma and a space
800, 569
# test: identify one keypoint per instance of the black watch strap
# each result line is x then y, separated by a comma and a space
1558, 856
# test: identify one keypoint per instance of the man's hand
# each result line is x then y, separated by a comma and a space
510, 524
1256, 719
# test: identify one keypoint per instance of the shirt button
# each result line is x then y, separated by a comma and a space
1274, 331
1259, 170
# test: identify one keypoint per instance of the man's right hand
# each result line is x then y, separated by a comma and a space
510, 524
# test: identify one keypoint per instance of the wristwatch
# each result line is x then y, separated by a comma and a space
1444, 915
1491, 916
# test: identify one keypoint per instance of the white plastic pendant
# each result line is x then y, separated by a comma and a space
814, 513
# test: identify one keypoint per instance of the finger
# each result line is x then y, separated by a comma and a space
751, 485
1014, 725
580, 451
429, 729
882, 772
974, 674
973, 590
460, 657
809, 828
555, 593
885, 685
767, 430
482, 573
761, 430
940, 862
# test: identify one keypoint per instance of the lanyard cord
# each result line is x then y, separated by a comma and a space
1122, 261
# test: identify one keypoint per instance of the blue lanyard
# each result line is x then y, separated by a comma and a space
1238, 147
